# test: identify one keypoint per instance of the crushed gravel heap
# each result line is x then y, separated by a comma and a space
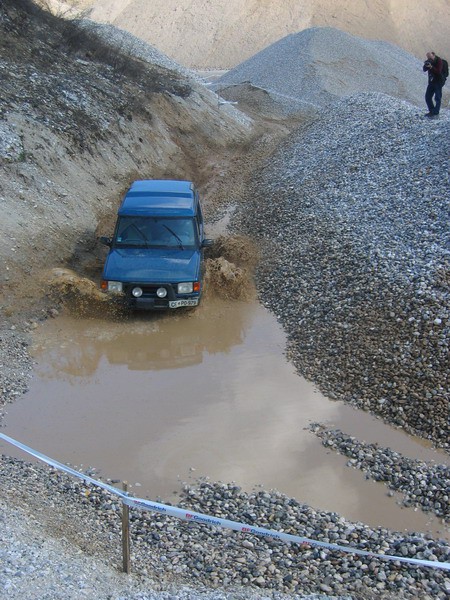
353, 213
35, 566
309, 69
174, 560
134, 46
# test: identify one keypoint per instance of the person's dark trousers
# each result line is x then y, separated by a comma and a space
433, 89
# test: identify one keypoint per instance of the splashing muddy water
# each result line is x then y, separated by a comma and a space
159, 399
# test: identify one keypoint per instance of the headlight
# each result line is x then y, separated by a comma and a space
161, 292
137, 292
115, 286
185, 288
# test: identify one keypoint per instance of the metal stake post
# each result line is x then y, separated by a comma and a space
126, 533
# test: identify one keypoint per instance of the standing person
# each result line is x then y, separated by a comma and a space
433, 65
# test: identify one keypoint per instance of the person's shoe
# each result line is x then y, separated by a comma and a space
430, 115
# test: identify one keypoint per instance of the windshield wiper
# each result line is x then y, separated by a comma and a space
140, 232
175, 236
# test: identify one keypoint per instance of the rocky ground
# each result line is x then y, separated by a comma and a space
422, 484
353, 220
176, 560
351, 223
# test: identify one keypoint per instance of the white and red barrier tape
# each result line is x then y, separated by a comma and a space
196, 517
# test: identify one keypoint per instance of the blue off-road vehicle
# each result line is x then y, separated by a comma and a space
155, 259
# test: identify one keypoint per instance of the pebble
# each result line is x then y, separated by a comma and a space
219, 561
15, 365
423, 484
355, 258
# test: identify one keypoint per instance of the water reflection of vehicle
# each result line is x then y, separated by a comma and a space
148, 343
153, 351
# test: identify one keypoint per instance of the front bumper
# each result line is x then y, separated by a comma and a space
143, 303
150, 300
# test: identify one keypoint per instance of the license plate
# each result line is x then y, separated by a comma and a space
179, 303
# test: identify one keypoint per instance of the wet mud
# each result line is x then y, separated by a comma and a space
157, 399
161, 399
229, 268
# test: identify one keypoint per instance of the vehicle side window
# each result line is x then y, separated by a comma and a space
196, 225
199, 219
199, 212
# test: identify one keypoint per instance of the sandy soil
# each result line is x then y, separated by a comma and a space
67, 158
224, 33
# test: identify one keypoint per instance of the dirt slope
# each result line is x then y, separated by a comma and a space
223, 33
78, 123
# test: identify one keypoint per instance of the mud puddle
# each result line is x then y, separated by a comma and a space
160, 399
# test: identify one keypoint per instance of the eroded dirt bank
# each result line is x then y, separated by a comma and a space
79, 122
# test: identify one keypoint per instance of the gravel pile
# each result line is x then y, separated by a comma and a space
168, 554
423, 484
32, 568
308, 70
128, 43
353, 213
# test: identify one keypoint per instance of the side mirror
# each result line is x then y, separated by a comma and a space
206, 243
105, 240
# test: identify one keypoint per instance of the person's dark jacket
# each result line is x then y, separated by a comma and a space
434, 69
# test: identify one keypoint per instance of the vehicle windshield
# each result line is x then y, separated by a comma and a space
155, 232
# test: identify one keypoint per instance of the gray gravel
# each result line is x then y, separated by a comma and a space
31, 567
15, 365
172, 559
306, 71
128, 43
353, 216
422, 484
353, 213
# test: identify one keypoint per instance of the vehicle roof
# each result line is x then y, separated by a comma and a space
159, 197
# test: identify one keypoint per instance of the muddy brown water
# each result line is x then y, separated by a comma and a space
161, 399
